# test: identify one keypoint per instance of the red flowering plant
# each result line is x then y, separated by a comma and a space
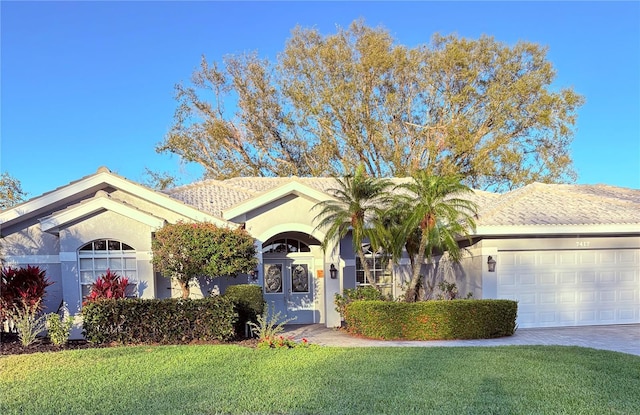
22, 288
108, 285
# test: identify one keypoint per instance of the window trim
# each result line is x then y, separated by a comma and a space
93, 254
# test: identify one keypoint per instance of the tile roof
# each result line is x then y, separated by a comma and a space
564, 204
534, 204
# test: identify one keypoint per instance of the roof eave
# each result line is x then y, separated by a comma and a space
522, 230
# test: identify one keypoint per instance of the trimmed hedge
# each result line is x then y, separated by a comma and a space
432, 320
166, 321
249, 302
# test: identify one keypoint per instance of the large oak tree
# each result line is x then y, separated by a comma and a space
478, 108
11, 192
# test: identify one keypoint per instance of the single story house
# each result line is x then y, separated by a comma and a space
569, 254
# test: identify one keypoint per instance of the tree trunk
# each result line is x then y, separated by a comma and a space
411, 295
367, 272
184, 286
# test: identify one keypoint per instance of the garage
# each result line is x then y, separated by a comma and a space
571, 287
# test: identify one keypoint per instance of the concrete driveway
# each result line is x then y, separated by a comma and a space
623, 338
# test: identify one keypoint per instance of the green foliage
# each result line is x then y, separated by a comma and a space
129, 321
437, 207
358, 199
269, 326
249, 302
432, 320
282, 342
449, 291
489, 111
185, 251
28, 321
11, 192
349, 295
58, 327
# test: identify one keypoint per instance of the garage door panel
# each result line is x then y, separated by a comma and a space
580, 287
587, 297
527, 279
628, 276
587, 258
547, 278
587, 277
568, 278
608, 277
629, 258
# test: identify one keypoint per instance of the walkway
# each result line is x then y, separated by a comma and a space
620, 338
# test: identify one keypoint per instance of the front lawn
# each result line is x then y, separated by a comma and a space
211, 379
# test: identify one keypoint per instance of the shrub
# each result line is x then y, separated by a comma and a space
432, 320
165, 321
27, 321
184, 251
249, 302
268, 329
109, 285
365, 292
58, 327
23, 288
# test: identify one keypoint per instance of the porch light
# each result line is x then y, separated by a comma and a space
491, 264
254, 274
333, 271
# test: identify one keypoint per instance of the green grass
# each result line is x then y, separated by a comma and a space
231, 379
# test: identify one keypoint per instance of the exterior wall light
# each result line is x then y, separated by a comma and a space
254, 274
333, 271
491, 264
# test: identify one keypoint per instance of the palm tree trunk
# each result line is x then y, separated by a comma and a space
411, 295
367, 271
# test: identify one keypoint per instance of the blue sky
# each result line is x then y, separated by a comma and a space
87, 84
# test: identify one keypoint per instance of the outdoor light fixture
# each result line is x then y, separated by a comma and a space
333, 271
254, 274
491, 263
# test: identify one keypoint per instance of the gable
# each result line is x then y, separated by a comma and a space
293, 188
82, 197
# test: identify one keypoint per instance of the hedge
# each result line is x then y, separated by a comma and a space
432, 320
166, 321
249, 302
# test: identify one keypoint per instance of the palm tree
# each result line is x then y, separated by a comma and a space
436, 206
358, 200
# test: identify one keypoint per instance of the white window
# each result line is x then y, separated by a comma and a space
96, 257
284, 245
379, 270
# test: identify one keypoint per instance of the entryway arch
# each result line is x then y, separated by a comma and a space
290, 264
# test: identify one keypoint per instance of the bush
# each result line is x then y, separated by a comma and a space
249, 302
432, 320
365, 292
58, 327
22, 288
166, 321
28, 321
109, 285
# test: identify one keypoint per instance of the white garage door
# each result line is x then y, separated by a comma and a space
571, 288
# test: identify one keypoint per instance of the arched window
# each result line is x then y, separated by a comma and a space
284, 245
98, 256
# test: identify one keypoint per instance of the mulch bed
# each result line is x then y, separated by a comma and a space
10, 345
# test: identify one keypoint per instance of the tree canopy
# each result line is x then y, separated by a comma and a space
11, 192
477, 108
185, 251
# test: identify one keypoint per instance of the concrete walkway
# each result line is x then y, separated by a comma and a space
623, 338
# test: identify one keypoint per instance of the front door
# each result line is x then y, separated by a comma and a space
289, 289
